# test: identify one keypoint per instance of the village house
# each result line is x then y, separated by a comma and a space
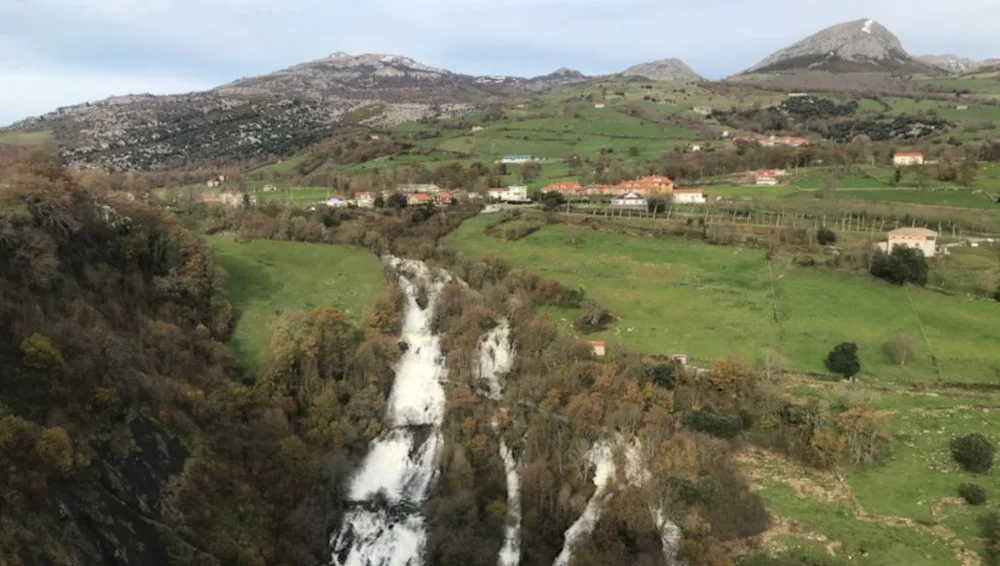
689, 196
906, 158
518, 158
766, 178
917, 238
495, 195
417, 199
565, 189
443, 198
649, 186
364, 199
630, 200
599, 104
598, 348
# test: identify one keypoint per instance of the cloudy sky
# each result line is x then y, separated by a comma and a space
61, 52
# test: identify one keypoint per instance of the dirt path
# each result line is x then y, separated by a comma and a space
763, 467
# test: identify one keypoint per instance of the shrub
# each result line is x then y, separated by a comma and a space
996, 294
826, 236
973, 494
592, 315
844, 360
974, 452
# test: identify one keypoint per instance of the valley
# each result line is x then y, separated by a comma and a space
363, 311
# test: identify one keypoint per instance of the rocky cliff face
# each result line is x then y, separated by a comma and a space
664, 70
856, 46
951, 63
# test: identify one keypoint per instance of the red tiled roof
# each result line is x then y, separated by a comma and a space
420, 197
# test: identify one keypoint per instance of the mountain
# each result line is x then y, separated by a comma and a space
270, 115
857, 46
664, 70
952, 63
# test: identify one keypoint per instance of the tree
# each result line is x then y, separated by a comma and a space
379, 201
553, 200
900, 348
903, 265
843, 360
592, 315
530, 171
397, 200
996, 294
826, 236
974, 452
897, 176
968, 172
633, 151
573, 162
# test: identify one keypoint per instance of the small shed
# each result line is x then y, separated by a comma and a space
598, 348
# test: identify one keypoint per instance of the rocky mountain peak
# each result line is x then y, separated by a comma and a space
858, 45
671, 69
956, 63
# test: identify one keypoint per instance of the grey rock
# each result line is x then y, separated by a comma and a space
664, 70
857, 46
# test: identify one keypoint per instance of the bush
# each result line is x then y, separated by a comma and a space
709, 421
996, 294
592, 315
974, 452
903, 265
844, 360
826, 236
973, 494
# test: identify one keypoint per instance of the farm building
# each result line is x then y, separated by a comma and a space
598, 348
904, 158
629, 200
599, 104
689, 196
918, 238
518, 158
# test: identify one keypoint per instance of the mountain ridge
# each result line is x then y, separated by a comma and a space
862, 45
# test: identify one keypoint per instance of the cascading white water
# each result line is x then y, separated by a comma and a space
385, 528
496, 358
602, 457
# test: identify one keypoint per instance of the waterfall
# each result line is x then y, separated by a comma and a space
385, 526
496, 358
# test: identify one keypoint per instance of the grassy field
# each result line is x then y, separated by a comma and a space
269, 278
672, 295
904, 510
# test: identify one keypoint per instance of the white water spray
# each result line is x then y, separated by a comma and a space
386, 528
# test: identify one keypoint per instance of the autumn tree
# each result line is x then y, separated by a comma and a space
900, 348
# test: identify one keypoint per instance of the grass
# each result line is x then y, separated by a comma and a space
26, 138
678, 296
862, 542
270, 278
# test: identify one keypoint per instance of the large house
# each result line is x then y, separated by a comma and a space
649, 186
905, 158
689, 196
917, 238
